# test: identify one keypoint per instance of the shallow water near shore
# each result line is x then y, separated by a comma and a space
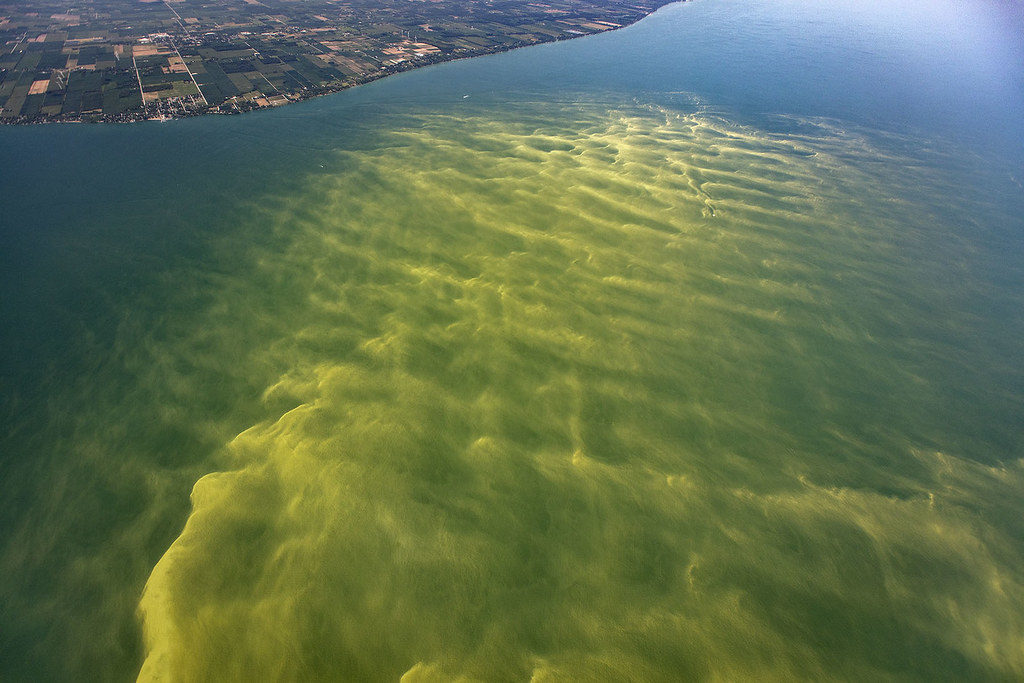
621, 358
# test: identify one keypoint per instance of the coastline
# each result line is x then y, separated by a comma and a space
237, 106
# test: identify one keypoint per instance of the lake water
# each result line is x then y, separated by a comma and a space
691, 350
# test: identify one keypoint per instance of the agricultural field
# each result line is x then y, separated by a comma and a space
107, 60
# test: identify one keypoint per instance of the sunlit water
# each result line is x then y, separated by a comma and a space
687, 351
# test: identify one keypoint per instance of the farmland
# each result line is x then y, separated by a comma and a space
103, 60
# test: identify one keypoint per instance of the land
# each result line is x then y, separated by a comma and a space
130, 60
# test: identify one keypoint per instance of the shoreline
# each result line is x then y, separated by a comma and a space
237, 107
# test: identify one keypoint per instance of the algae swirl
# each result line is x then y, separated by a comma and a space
621, 393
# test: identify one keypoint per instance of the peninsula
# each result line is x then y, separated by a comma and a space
119, 61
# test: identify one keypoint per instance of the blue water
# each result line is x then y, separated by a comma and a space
689, 350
